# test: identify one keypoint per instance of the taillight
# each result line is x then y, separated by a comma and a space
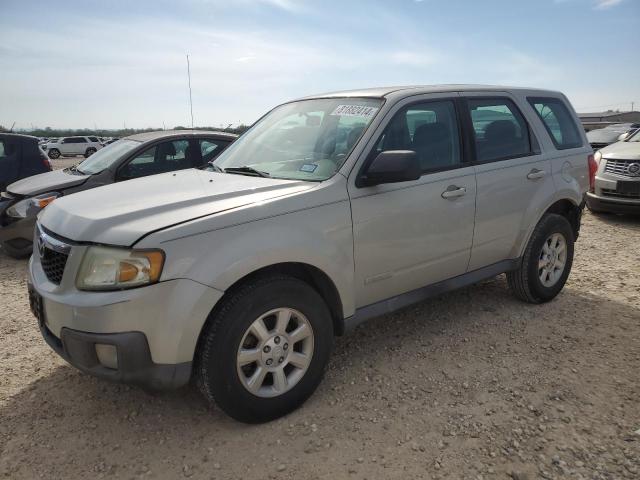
45, 160
593, 168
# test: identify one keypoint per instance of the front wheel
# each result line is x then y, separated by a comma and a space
54, 153
89, 152
546, 262
264, 351
17, 253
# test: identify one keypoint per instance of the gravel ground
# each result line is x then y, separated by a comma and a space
470, 385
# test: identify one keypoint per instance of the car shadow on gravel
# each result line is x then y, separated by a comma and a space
66, 416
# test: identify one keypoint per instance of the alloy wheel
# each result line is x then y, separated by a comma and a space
552, 260
275, 352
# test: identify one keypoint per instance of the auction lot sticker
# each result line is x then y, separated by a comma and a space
355, 111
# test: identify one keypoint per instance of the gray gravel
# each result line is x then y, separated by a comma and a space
470, 385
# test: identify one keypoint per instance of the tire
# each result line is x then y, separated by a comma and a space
18, 254
218, 373
90, 151
526, 283
54, 153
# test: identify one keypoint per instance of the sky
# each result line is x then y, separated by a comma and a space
112, 63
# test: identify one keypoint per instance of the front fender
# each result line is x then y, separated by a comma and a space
319, 236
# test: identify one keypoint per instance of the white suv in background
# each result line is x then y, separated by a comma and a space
72, 146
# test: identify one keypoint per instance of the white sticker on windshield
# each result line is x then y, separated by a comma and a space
355, 111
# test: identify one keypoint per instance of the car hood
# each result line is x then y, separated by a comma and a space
56, 180
622, 150
122, 213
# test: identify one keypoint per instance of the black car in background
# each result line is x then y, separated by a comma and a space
20, 157
131, 157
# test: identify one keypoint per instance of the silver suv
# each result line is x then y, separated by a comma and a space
330, 210
617, 183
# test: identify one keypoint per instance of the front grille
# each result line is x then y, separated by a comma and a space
53, 264
613, 193
620, 167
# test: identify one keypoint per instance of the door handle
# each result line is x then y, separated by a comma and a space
453, 191
535, 174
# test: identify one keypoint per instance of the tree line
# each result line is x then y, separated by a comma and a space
123, 132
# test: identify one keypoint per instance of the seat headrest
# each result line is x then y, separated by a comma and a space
167, 149
500, 130
430, 133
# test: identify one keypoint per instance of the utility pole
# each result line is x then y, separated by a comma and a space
190, 100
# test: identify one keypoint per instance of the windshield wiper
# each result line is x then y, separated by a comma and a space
75, 169
246, 170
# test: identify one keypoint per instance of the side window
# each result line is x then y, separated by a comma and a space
429, 129
161, 158
558, 121
210, 149
93, 139
81, 140
499, 129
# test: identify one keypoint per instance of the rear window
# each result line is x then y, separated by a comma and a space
558, 121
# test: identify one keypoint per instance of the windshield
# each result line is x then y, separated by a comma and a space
635, 137
305, 140
106, 156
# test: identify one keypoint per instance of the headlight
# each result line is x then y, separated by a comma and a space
597, 157
105, 268
31, 206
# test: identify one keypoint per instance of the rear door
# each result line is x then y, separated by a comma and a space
411, 234
512, 175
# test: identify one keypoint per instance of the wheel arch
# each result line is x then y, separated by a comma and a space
310, 274
564, 206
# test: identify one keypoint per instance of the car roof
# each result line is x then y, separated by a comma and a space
147, 136
381, 92
17, 136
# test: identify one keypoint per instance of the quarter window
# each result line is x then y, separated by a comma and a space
499, 129
209, 149
558, 121
429, 129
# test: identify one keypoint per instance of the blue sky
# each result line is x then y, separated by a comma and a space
106, 63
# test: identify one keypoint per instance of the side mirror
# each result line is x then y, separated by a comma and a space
392, 166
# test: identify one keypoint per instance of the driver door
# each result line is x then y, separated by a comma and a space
411, 234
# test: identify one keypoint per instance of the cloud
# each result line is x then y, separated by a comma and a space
604, 4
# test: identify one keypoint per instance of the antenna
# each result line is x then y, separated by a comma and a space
12, 125
190, 100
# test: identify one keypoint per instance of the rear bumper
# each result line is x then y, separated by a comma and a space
613, 205
133, 357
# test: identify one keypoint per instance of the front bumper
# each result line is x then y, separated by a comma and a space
611, 204
154, 329
134, 365
18, 233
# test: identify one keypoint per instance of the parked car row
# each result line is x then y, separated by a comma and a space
330, 210
133, 157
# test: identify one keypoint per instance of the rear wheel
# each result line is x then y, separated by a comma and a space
546, 262
54, 153
90, 151
265, 351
